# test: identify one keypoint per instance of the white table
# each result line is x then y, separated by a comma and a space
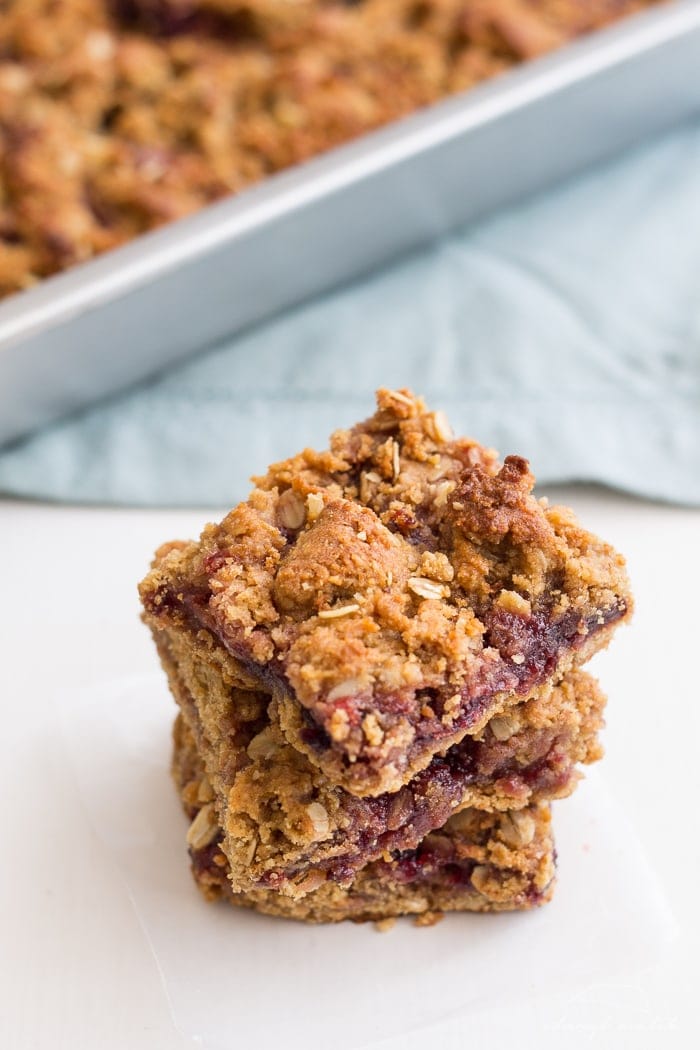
75, 969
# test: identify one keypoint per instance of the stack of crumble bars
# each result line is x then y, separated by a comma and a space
377, 664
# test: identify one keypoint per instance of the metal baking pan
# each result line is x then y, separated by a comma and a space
93, 331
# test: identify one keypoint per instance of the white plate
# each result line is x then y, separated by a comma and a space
236, 979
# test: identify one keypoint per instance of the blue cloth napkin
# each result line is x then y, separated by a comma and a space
566, 330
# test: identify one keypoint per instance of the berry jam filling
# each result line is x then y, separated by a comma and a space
314, 735
398, 821
171, 18
530, 649
426, 865
392, 822
431, 863
204, 861
441, 869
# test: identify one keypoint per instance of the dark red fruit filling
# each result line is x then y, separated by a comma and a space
396, 823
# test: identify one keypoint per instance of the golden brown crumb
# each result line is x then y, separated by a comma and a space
384, 925
429, 918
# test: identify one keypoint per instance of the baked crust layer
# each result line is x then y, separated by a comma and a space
393, 593
477, 862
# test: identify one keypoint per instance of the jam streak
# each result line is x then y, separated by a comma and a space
432, 864
415, 807
521, 653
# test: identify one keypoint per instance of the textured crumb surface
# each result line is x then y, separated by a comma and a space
477, 862
282, 818
393, 593
117, 116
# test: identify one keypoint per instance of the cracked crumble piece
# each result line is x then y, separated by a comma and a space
393, 593
286, 827
477, 862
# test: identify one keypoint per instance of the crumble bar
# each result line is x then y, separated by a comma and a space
477, 862
117, 116
393, 593
285, 827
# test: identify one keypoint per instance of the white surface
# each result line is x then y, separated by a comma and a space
219, 966
75, 968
